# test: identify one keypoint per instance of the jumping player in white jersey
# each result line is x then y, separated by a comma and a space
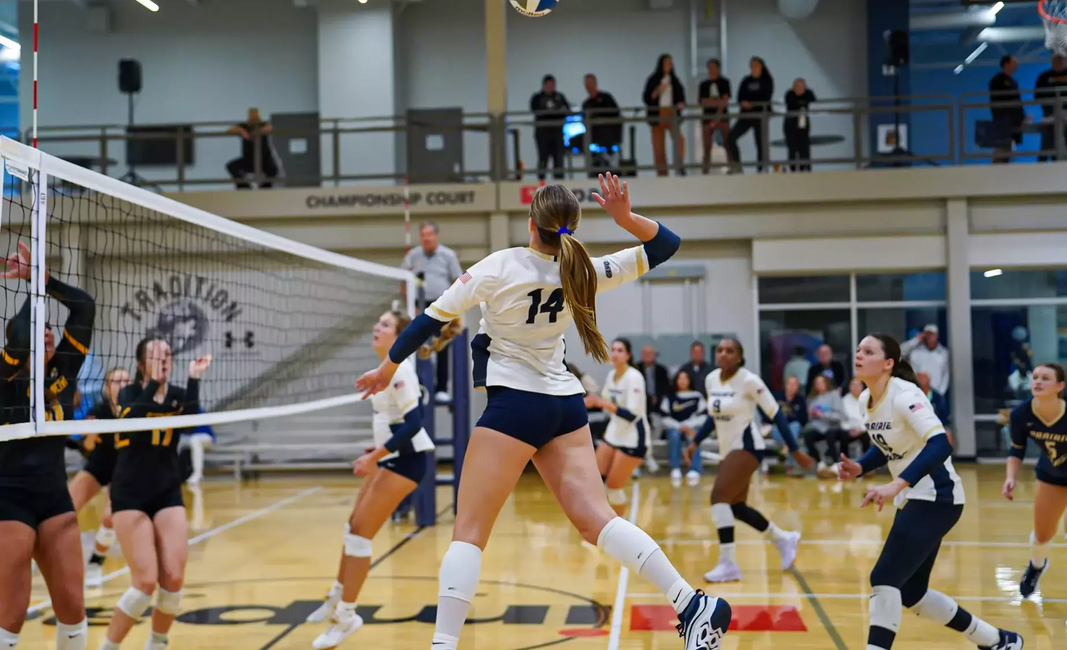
908, 436
733, 394
394, 467
1043, 418
536, 411
626, 439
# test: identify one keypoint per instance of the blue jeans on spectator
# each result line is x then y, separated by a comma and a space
794, 427
675, 440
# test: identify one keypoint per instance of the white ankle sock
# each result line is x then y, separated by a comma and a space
982, 634
1038, 552
72, 637
8, 639
461, 569
335, 591
346, 610
773, 533
638, 552
727, 553
109, 645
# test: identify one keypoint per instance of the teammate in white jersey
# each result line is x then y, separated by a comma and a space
393, 468
536, 410
908, 436
733, 395
626, 439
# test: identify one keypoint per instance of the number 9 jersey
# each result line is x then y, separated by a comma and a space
900, 424
520, 341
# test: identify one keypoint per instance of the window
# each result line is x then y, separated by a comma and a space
814, 288
784, 333
1011, 285
902, 323
900, 287
1008, 342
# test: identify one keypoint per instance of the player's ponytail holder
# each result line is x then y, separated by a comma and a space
564, 231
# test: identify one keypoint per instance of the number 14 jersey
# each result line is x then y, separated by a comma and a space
520, 341
899, 425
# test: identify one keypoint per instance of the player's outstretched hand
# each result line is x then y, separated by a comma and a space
805, 461
848, 469
197, 367
1009, 489
376, 380
883, 493
614, 197
18, 267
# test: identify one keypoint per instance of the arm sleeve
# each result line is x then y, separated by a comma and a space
17, 349
191, 405
414, 335
769, 406
404, 431
705, 431
619, 268
475, 286
872, 459
136, 401
637, 397
918, 412
407, 393
1019, 434
933, 455
78, 330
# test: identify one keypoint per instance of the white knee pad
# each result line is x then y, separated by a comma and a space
169, 602
886, 608
134, 602
105, 537
71, 637
356, 546
627, 543
937, 607
723, 515
617, 497
461, 568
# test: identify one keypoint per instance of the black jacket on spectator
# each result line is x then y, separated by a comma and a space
677, 95
835, 369
1049, 84
795, 103
713, 89
662, 387
758, 90
602, 107
550, 107
1004, 89
698, 377
795, 410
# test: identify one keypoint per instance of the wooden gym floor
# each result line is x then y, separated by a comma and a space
264, 552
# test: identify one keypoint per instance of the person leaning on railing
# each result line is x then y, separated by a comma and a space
251, 130
754, 94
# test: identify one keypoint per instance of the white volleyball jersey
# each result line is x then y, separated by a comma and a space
900, 424
732, 404
520, 341
627, 393
391, 405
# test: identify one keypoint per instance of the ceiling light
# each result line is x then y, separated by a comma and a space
995, 9
8, 43
149, 5
974, 55
992, 273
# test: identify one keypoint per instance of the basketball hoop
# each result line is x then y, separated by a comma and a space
1054, 16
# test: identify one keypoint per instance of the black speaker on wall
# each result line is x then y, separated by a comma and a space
129, 76
896, 48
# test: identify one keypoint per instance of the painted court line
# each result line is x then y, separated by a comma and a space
827, 624
200, 538
847, 542
856, 596
624, 579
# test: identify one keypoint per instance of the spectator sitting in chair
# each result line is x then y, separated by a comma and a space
684, 411
826, 417
792, 402
253, 130
853, 423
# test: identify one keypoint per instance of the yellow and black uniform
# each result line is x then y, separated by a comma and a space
147, 474
100, 461
33, 476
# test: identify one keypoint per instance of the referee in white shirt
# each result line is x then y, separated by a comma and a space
926, 354
436, 267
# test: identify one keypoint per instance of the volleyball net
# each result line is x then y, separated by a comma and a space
110, 265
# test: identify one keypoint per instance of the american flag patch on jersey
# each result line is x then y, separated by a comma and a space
465, 278
916, 407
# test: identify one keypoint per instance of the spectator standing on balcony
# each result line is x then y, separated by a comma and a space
1007, 109
754, 94
715, 98
665, 98
698, 367
436, 267
601, 114
1050, 85
827, 367
550, 108
255, 134
798, 126
926, 355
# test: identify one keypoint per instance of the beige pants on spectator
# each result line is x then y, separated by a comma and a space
668, 122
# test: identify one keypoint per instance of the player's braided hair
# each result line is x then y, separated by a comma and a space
555, 213
437, 343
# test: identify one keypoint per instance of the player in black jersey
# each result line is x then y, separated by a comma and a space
146, 494
37, 520
99, 466
1043, 418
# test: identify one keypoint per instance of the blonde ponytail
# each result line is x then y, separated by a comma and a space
578, 279
437, 343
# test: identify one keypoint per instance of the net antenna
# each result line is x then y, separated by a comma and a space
1054, 16
35, 74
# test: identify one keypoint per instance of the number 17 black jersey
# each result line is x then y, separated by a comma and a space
520, 342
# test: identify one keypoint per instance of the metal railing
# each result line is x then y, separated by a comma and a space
844, 133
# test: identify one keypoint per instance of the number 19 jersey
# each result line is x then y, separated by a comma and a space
900, 424
520, 341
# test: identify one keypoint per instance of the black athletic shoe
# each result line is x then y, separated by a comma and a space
1008, 641
704, 622
1032, 575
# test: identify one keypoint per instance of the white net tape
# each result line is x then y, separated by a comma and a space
1053, 15
287, 324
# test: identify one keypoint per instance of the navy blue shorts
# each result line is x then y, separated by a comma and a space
533, 418
410, 466
1052, 478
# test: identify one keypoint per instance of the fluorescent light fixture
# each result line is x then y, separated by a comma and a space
149, 5
995, 9
974, 55
7, 42
958, 69
992, 273
362, 2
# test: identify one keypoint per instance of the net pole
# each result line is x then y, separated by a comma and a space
39, 215
35, 73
